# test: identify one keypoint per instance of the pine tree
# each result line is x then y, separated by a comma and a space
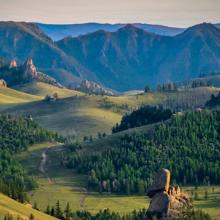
58, 211
52, 211
67, 212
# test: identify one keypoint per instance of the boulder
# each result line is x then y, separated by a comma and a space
161, 183
167, 202
159, 204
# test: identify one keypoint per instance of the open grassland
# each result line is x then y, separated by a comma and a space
207, 199
14, 208
43, 89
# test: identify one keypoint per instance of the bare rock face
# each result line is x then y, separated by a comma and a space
161, 183
159, 203
3, 83
92, 87
13, 64
167, 202
29, 68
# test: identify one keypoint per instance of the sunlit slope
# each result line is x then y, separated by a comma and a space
43, 89
82, 115
11, 96
14, 208
86, 115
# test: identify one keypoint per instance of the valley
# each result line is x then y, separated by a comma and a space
103, 121
77, 115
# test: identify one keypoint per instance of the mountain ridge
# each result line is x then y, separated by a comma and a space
126, 59
59, 31
152, 58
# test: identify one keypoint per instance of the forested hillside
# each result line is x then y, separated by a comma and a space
189, 146
142, 116
16, 134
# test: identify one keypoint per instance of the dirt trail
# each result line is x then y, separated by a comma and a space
43, 170
83, 198
43, 164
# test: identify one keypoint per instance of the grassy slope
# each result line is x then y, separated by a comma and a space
87, 115
12, 207
43, 89
11, 96
82, 115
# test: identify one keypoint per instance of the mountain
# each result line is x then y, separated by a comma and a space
20, 40
126, 59
130, 57
58, 32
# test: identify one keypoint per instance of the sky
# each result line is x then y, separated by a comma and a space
179, 13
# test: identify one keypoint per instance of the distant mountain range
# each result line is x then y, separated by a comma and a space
125, 59
60, 31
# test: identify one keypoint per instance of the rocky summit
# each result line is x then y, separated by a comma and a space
167, 201
3, 83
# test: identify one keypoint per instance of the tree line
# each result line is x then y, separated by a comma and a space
142, 116
106, 214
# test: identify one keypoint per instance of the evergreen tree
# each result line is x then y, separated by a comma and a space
67, 212
58, 211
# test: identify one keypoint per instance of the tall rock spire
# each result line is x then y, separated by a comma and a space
29, 68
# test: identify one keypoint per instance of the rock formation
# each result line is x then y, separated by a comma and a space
93, 88
13, 64
3, 83
29, 68
167, 202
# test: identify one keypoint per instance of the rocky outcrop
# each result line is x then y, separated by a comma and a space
29, 68
3, 83
21, 74
13, 64
93, 88
167, 202
161, 183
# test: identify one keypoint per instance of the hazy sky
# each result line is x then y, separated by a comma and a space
169, 12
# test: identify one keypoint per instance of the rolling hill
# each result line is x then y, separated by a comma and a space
43, 89
11, 96
14, 208
80, 115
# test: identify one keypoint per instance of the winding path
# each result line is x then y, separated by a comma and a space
43, 164
43, 170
